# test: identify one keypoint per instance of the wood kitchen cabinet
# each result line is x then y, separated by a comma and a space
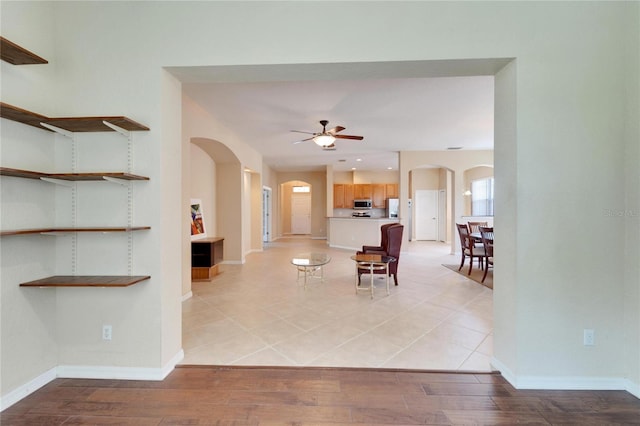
338, 196
378, 195
348, 196
391, 190
343, 196
362, 191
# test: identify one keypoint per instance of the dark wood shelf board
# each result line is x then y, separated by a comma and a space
71, 124
18, 55
93, 176
23, 116
70, 230
95, 124
87, 281
28, 174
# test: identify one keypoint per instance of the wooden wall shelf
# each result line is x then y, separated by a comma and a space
72, 230
87, 281
71, 124
77, 177
17, 55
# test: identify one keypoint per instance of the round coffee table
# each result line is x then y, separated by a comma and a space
370, 263
309, 264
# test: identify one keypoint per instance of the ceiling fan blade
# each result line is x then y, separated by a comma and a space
300, 131
336, 130
356, 138
331, 147
303, 140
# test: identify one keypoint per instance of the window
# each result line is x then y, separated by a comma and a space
301, 189
482, 197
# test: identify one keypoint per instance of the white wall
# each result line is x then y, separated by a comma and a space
572, 100
203, 186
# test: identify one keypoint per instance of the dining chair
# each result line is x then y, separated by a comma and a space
468, 248
474, 226
486, 234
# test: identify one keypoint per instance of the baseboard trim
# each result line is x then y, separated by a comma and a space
187, 296
89, 372
27, 389
232, 262
566, 382
344, 247
118, 373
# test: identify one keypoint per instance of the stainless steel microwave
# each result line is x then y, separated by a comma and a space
362, 204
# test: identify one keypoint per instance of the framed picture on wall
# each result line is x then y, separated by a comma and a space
198, 229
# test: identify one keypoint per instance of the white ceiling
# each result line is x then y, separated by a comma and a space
393, 113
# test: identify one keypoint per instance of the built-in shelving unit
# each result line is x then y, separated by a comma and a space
67, 126
18, 55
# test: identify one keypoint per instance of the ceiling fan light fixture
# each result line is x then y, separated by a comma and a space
324, 140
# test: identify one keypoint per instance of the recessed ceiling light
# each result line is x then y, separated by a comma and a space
353, 168
453, 148
358, 159
389, 168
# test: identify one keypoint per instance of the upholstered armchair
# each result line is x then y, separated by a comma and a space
391, 243
383, 240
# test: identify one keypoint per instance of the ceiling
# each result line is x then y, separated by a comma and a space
403, 108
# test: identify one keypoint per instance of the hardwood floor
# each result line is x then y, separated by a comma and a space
198, 395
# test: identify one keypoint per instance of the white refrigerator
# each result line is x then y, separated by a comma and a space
392, 205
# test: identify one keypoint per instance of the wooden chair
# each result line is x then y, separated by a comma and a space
475, 226
486, 233
393, 242
468, 248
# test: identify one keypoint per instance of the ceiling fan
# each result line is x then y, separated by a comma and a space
326, 138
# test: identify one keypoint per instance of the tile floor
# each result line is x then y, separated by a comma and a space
259, 314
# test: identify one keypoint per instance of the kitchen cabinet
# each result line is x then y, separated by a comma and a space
338, 196
378, 195
391, 190
343, 196
348, 195
362, 191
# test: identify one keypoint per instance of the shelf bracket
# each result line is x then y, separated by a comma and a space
68, 184
58, 130
123, 132
117, 181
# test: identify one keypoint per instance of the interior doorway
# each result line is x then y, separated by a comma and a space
266, 214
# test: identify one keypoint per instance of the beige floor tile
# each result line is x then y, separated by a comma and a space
259, 314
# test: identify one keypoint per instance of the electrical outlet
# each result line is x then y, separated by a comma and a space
589, 337
107, 332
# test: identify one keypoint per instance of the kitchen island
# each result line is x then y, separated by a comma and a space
354, 232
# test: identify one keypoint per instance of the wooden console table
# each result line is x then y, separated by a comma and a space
206, 254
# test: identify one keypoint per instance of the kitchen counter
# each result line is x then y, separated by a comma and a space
352, 233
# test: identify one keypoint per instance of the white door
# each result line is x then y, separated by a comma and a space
426, 214
442, 215
300, 213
